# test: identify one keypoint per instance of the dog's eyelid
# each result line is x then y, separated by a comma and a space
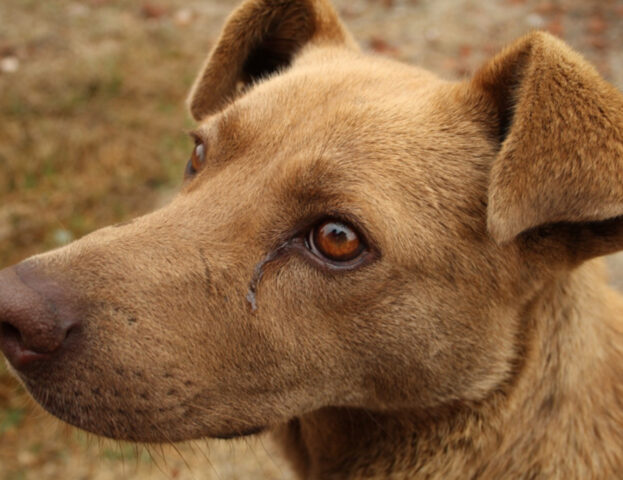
197, 159
360, 226
300, 240
335, 240
197, 137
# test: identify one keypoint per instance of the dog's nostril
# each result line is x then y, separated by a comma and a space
10, 333
72, 330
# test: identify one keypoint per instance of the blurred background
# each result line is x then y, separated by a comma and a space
93, 131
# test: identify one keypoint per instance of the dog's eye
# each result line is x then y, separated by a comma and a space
335, 241
197, 159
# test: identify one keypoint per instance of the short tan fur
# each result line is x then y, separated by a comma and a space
480, 339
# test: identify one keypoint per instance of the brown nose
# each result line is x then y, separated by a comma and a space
35, 318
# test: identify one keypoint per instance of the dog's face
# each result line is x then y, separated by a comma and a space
330, 247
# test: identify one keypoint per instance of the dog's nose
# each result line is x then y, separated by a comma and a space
32, 326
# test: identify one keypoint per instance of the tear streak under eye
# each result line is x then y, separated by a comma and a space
258, 272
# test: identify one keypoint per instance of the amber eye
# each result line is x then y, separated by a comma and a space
197, 159
336, 241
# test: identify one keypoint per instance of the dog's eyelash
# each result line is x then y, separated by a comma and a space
303, 239
335, 241
196, 136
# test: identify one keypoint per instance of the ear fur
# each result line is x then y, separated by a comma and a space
259, 38
561, 128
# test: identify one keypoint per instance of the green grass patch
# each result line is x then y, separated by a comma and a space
10, 418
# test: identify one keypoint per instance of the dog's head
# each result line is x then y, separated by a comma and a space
351, 232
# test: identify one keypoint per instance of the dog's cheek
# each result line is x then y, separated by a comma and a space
433, 346
302, 330
389, 337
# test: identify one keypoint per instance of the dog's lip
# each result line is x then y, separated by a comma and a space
299, 245
20, 357
27, 357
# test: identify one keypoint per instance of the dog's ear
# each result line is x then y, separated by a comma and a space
560, 163
259, 38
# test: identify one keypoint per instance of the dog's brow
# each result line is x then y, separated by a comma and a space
321, 190
217, 128
206, 132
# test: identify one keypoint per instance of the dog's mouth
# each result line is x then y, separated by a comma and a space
108, 412
88, 409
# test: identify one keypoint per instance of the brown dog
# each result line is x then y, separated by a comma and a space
391, 272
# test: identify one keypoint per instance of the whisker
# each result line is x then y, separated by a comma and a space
277, 464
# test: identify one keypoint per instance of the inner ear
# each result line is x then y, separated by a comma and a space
264, 60
502, 83
506, 105
275, 50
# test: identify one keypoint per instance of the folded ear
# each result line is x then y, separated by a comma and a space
259, 38
561, 157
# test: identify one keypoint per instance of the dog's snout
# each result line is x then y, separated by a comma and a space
31, 326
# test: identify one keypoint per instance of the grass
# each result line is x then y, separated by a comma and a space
93, 121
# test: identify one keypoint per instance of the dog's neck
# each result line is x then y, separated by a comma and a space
560, 416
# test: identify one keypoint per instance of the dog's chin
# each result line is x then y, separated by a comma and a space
131, 424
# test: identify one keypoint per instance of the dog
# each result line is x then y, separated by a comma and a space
395, 275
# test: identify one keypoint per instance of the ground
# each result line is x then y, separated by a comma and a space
92, 131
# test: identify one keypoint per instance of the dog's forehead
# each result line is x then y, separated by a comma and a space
327, 98
322, 85
353, 118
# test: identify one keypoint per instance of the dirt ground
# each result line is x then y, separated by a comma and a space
92, 131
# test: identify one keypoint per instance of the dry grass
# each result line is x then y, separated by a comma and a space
92, 131
92, 122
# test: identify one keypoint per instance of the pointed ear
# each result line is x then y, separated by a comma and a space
259, 38
561, 131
